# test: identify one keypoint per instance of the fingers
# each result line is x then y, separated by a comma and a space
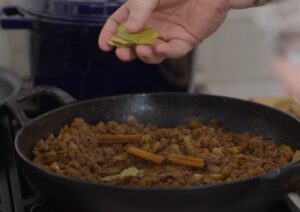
145, 53
290, 76
139, 13
148, 55
110, 27
155, 54
174, 49
125, 54
107, 32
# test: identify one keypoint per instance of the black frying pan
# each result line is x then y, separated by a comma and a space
260, 193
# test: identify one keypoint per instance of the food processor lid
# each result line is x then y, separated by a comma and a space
71, 10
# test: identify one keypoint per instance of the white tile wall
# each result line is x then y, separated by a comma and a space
237, 60
14, 49
247, 89
20, 60
5, 49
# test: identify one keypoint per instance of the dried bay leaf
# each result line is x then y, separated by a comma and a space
119, 42
110, 178
147, 36
130, 172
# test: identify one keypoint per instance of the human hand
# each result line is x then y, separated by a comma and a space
182, 24
289, 74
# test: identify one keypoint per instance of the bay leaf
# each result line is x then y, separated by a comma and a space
122, 38
110, 178
119, 42
130, 172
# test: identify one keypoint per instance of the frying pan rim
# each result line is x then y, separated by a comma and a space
192, 188
13, 79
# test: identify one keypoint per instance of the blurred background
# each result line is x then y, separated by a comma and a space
236, 61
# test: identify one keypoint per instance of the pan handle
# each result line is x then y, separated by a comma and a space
286, 179
13, 102
292, 201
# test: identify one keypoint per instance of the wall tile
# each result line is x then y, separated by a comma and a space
238, 51
247, 89
20, 53
5, 49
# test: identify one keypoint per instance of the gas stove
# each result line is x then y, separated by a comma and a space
17, 196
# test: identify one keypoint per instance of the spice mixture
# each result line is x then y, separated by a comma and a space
132, 154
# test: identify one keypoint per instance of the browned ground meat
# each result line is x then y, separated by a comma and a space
227, 156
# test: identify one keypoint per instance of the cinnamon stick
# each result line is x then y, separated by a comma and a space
188, 161
145, 155
118, 139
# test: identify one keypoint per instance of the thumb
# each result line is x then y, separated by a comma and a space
139, 13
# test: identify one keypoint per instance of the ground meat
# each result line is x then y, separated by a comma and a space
77, 153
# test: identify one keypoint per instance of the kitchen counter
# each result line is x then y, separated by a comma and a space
285, 104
